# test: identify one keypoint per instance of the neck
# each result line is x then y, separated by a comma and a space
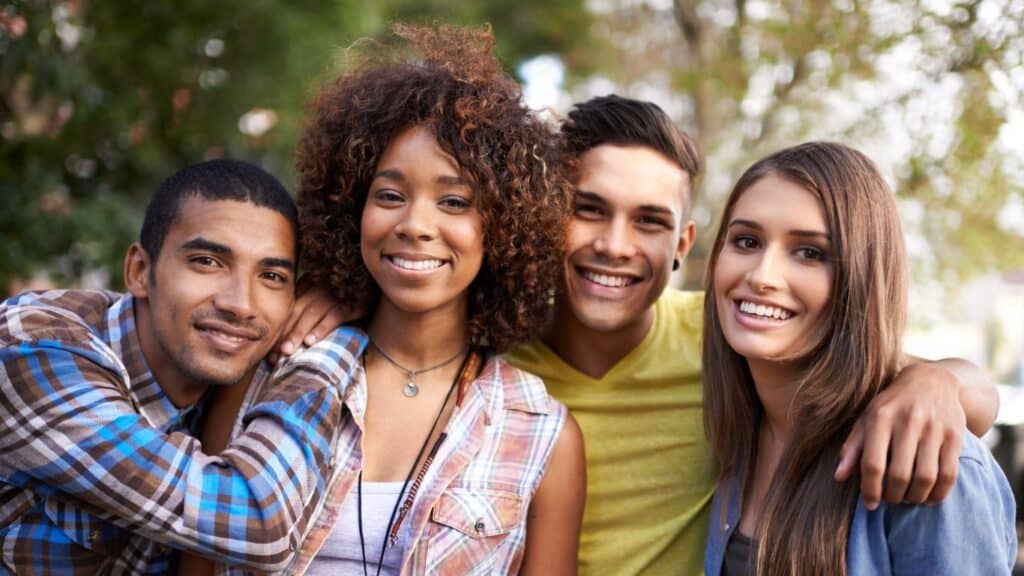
595, 352
420, 339
776, 385
180, 389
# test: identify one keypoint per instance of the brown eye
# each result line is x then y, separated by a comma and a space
745, 242
456, 203
388, 196
811, 253
204, 261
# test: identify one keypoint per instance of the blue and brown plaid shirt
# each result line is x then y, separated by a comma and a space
99, 471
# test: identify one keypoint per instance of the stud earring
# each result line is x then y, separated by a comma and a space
675, 264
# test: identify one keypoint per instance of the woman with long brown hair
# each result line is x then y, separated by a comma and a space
804, 315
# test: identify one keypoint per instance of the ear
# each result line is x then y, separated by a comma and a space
137, 271
686, 238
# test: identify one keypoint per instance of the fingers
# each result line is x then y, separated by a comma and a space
877, 434
333, 318
901, 461
926, 469
849, 454
949, 462
309, 318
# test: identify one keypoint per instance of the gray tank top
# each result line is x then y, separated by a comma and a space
340, 554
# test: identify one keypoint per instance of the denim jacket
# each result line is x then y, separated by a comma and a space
970, 532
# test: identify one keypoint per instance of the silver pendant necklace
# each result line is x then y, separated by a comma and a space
411, 390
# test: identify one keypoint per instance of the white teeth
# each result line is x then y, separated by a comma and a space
416, 264
765, 311
607, 279
225, 336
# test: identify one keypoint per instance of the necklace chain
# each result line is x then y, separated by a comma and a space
391, 531
411, 389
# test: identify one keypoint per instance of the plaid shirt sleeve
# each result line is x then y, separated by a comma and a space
68, 429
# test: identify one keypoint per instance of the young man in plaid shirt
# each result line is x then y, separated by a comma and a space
100, 395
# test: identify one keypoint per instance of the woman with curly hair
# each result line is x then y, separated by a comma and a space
432, 198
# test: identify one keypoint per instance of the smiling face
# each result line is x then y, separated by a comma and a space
773, 276
627, 228
421, 235
213, 303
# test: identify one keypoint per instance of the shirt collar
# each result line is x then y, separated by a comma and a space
122, 335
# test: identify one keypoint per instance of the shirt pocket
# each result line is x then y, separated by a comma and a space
470, 529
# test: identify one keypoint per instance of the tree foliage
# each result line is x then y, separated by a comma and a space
100, 100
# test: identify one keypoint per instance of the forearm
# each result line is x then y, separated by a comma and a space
978, 395
248, 506
86, 444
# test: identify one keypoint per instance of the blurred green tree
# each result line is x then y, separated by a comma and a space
99, 101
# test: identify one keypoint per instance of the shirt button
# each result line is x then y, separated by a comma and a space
479, 526
726, 526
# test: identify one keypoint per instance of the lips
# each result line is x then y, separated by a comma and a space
227, 337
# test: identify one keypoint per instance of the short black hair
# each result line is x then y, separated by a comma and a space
620, 121
213, 180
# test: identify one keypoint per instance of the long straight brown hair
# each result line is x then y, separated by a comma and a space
804, 525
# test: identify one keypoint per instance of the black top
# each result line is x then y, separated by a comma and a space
739, 555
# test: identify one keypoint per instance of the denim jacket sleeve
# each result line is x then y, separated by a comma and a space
970, 532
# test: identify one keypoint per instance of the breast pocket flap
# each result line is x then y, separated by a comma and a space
478, 513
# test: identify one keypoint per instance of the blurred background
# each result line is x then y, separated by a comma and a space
99, 101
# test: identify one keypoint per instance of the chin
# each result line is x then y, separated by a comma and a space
215, 375
603, 321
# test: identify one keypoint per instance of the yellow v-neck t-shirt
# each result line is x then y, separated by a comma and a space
649, 468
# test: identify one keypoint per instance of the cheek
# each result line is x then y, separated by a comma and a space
465, 234
580, 234
727, 268
278, 307
817, 290
660, 250
372, 225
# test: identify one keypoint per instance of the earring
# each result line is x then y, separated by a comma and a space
675, 264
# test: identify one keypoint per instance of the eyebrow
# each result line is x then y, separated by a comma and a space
597, 198
393, 174
205, 245
657, 209
278, 263
200, 243
590, 197
803, 233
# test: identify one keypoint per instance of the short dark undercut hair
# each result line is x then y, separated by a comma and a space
622, 121
213, 180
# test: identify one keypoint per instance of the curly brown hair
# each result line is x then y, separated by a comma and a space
451, 83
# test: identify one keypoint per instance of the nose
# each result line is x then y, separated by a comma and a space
236, 297
417, 221
616, 241
766, 275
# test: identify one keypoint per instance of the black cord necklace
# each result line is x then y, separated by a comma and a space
408, 477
